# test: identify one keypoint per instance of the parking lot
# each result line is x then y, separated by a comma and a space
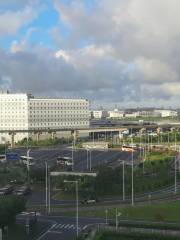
83, 159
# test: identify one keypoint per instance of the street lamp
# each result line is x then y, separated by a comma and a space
77, 205
28, 168
106, 212
73, 154
46, 166
175, 175
118, 214
123, 181
90, 161
132, 156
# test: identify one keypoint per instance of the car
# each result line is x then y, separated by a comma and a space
23, 191
8, 189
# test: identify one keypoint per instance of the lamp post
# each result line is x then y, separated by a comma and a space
28, 168
90, 161
132, 173
77, 205
87, 163
123, 181
118, 214
46, 166
175, 176
49, 192
73, 154
106, 212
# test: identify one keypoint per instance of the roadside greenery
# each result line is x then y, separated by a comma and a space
10, 173
153, 174
45, 142
2, 148
107, 235
10, 206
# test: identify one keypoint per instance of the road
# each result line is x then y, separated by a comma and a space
112, 158
63, 228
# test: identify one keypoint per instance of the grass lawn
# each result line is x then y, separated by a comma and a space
18, 231
156, 156
61, 195
156, 212
131, 236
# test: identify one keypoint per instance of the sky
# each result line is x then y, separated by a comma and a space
121, 53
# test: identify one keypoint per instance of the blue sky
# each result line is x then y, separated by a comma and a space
113, 52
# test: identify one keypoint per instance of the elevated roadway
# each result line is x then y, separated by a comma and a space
91, 129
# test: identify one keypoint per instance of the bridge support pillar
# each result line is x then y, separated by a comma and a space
158, 130
53, 134
142, 130
38, 136
12, 139
74, 134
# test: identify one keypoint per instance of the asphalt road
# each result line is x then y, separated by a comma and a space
112, 158
63, 228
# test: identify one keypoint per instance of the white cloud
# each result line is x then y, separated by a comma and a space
12, 20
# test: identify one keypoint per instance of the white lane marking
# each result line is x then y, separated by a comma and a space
46, 232
67, 226
57, 225
71, 226
62, 226
84, 227
55, 232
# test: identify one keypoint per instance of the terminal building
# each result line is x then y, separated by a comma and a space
25, 112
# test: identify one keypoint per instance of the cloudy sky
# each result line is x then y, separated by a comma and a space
123, 52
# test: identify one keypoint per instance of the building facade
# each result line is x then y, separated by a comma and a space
24, 112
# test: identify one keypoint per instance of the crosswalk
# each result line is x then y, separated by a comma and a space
60, 227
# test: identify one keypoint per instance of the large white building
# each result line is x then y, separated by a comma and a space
24, 112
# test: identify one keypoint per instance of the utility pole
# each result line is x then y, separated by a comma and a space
175, 176
73, 154
106, 212
46, 166
90, 161
49, 192
132, 176
87, 164
77, 205
123, 181
28, 168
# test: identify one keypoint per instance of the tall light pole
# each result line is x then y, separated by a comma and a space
87, 163
28, 168
132, 176
123, 181
90, 161
49, 192
175, 176
175, 141
77, 206
73, 154
118, 214
46, 166
106, 212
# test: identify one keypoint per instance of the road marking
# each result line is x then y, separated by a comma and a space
46, 232
84, 227
55, 232
62, 225
57, 226
67, 226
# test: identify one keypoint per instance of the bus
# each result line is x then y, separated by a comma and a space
2, 158
126, 148
64, 161
27, 160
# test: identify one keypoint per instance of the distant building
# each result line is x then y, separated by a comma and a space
24, 112
115, 114
167, 113
98, 114
131, 114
